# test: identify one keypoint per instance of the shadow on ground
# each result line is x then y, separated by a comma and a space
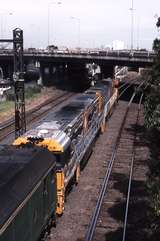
138, 219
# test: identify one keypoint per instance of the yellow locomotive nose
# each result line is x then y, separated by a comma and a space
20, 141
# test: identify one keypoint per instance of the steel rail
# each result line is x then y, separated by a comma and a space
130, 86
126, 83
131, 175
8, 122
93, 222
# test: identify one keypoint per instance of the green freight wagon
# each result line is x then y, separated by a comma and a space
27, 192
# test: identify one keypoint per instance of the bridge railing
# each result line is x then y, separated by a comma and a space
101, 53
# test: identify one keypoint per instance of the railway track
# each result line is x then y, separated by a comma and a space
34, 114
124, 87
114, 195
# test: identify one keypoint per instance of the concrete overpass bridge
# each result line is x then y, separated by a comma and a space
52, 61
123, 57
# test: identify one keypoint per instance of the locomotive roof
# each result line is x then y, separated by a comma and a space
74, 108
54, 126
59, 120
104, 87
20, 171
69, 112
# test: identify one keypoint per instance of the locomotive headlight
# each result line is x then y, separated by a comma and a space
42, 132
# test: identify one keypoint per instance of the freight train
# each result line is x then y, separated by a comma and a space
66, 138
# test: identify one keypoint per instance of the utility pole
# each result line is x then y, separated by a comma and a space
49, 4
79, 29
132, 25
18, 77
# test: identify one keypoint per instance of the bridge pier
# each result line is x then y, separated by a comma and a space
7, 68
77, 74
107, 71
52, 73
72, 74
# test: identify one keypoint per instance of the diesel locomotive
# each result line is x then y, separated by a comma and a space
70, 132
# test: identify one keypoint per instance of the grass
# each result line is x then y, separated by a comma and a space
6, 105
30, 93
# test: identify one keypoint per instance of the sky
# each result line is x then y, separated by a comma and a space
84, 23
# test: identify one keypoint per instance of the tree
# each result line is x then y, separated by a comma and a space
156, 45
152, 102
152, 122
158, 22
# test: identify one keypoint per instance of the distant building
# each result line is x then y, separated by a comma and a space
118, 45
